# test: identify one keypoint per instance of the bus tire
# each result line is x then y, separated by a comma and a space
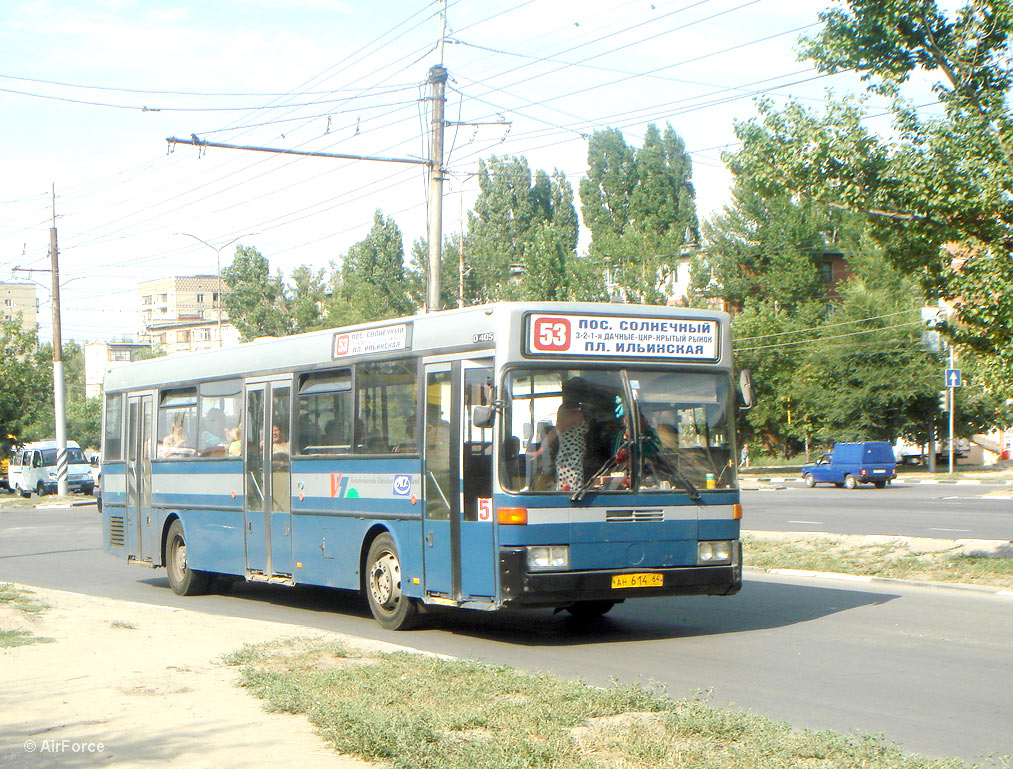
23, 492
390, 607
850, 482
809, 480
585, 610
182, 579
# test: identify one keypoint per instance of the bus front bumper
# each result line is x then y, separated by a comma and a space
520, 587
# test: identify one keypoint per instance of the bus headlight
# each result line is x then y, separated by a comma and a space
548, 558
713, 553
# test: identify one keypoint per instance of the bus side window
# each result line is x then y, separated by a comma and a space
177, 424
385, 406
324, 413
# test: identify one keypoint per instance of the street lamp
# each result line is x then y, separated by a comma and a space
218, 266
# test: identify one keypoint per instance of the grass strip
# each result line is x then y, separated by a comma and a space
892, 559
409, 711
20, 600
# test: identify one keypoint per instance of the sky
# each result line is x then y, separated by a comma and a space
89, 93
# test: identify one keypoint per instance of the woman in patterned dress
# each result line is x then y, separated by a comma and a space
568, 438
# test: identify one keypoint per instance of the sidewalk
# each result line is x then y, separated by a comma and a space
131, 685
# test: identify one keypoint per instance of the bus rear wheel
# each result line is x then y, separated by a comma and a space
182, 579
390, 607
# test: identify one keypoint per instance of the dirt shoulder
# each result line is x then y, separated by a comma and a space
145, 683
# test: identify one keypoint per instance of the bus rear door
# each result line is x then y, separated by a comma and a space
138, 480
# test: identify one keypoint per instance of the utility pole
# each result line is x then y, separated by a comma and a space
438, 80
59, 386
953, 408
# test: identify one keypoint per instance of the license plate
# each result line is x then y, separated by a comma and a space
879, 471
637, 580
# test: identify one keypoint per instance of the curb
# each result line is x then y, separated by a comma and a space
901, 481
53, 506
832, 575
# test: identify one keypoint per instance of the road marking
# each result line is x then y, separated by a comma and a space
811, 523
934, 529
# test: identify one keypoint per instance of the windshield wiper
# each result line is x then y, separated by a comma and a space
668, 466
621, 455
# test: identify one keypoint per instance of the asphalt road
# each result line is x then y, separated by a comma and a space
913, 510
928, 668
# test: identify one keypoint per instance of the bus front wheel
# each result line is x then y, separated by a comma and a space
390, 607
585, 610
182, 579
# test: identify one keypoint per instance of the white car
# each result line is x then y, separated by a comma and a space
33, 468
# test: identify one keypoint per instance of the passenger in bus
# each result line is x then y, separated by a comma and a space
175, 443
279, 443
212, 437
234, 438
568, 439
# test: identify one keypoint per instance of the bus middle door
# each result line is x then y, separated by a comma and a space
268, 510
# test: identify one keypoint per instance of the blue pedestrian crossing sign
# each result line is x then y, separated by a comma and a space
953, 378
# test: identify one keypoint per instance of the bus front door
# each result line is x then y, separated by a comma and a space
459, 552
138, 478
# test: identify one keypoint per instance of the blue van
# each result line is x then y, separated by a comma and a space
850, 464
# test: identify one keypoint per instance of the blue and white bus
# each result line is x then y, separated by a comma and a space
565, 455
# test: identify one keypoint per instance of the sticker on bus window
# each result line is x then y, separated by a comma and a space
622, 336
484, 509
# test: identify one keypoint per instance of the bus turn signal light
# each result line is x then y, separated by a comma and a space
517, 516
736, 512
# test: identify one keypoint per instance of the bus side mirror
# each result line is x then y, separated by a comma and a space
747, 395
483, 416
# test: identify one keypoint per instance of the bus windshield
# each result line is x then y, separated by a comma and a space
621, 430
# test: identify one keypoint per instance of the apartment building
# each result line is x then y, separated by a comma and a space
20, 298
100, 357
185, 313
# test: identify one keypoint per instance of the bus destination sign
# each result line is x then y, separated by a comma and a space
622, 336
371, 340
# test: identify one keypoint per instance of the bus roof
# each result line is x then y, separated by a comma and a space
447, 331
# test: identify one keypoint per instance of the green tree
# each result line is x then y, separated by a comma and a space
869, 375
517, 226
942, 179
23, 380
83, 414
256, 301
307, 299
765, 256
373, 276
639, 205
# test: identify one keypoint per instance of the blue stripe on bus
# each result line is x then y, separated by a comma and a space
711, 529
